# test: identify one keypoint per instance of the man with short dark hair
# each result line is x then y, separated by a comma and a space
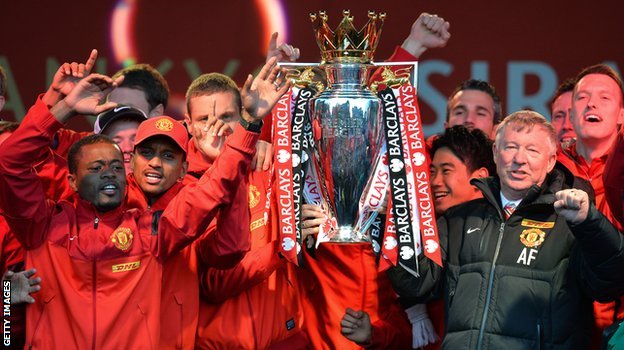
458, 156
523, 263
560, 113
144, 88
474, 104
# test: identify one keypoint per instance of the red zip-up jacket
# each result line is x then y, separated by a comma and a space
180, 287
613, 178
342, 276
253, 305
98, 292
604, 313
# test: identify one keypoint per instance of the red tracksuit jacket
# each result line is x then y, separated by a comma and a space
605, 313
98, 293
255, 304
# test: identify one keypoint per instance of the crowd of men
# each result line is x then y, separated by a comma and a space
154, 233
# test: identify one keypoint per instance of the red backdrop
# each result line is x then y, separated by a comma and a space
525, 48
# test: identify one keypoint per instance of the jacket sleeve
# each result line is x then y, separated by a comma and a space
613, 178
188, 215
225, 242
22, 197
428, 284
599, 256
64, 139
219, 285
399, 55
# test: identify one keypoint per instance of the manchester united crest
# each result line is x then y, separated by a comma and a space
532, 237
254, 196
164, 124
122, 238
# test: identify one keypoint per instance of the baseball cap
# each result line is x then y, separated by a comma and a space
104, 119
165, 126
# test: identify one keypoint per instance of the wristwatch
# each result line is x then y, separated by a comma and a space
255, 126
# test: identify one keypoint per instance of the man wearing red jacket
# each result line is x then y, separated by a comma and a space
180, 284
100, 263
259, 290
597, 109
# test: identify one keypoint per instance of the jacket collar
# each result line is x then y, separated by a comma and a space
136, 198
555, 181
198, 162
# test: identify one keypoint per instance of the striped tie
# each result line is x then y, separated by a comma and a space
509, 209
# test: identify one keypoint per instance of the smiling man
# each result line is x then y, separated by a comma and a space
521, 264
597, 110
458, 156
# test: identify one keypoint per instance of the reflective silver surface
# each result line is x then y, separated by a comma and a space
350, 139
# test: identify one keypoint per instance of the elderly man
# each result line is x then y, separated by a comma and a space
523, 263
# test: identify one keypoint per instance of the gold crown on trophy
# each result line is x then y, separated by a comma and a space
347, 44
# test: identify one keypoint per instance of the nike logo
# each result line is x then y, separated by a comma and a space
72, 238
471, 230
117, 109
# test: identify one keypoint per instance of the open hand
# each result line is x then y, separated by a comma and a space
66, 78
22, 285
261, 93
283, 52
86, 96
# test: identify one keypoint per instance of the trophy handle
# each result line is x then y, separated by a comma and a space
305, 75
398, 77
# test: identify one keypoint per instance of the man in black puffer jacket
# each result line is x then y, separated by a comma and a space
521, 278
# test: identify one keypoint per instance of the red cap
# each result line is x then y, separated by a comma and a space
165, 126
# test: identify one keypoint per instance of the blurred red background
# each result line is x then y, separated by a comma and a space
525, 48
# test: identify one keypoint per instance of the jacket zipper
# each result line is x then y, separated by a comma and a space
490, 285
96, 221
94, 306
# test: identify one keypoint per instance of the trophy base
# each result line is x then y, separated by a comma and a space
346, 235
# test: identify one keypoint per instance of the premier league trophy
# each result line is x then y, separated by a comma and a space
348, 114
340, 146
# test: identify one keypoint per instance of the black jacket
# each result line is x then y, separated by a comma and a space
524, 283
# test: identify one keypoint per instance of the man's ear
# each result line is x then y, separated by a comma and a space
188, 122
620, 119
157, 111
73, 183
184, 169
494, 128
480, 173
494, 151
